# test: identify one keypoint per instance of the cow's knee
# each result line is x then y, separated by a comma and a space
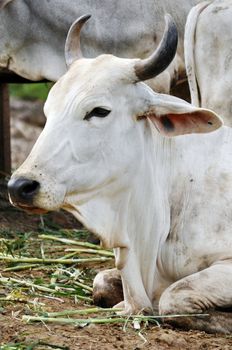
107, 288
199, 292
178, 299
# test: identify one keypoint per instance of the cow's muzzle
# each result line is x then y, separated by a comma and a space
22, 192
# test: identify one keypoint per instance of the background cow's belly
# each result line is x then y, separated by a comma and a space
124, 28
201, 211
213, 49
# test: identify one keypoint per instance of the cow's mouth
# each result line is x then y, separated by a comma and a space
22, 192
35, 210
29, 209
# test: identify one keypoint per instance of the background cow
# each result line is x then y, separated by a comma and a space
33, 33
208, 56
162, 202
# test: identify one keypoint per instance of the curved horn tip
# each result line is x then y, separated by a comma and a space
160, 59
3, 3
168, 18
80, 21
170, 25
72, 44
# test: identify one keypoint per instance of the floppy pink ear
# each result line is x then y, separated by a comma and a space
196, 121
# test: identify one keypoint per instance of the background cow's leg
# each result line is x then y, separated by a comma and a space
197, 293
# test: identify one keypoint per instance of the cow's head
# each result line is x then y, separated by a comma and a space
100, 119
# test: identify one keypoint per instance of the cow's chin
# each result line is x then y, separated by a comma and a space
30, 209
35, 210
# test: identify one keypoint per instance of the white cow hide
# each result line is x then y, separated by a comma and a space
208, 56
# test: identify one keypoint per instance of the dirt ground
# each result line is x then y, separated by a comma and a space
111, 336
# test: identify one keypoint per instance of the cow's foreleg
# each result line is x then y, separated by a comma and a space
136, 298
199, 292
123, 284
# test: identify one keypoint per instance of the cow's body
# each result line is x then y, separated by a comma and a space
163, 203
33, 33
208, 42
181, 202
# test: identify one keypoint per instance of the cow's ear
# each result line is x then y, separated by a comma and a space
200, 121
3, 3
173, 116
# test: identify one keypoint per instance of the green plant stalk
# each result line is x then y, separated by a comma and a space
68, 256
152, 317
21, 267
70, 241
83, 286
73, 320
19, 300
81, 312
91, 251
122, 319
5, 280
53, 261
81, 297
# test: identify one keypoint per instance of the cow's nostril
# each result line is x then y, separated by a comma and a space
23, 190
29, 189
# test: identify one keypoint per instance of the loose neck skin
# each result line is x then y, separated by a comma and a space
136, 220
120, 214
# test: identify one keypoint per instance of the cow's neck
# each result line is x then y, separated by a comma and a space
136, 217
148, 218
120, 217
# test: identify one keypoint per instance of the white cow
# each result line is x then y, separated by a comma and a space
208, 56
33, 33
109, 156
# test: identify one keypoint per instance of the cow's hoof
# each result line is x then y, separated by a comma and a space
107, 288
127, 309
211, 322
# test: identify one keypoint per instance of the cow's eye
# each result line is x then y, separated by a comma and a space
98, 112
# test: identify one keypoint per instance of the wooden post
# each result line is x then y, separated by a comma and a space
7, 77
5, 151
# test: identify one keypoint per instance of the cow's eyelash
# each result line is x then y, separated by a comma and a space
98, 112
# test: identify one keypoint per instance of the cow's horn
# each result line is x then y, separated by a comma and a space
72, 44
3, 3
161, 58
